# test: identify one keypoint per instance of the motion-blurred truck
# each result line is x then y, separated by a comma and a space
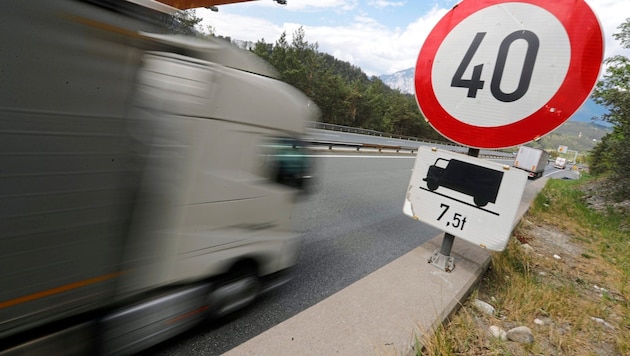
139, 193
531, 160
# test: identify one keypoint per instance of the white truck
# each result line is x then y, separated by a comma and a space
560, 163
142, 181
532, 160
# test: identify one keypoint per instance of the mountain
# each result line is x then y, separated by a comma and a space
577, 136
403, 81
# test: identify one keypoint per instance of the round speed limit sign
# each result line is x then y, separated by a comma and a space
495, 73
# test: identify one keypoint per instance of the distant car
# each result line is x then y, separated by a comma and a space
560, 163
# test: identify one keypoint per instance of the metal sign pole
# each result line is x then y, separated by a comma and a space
442, 259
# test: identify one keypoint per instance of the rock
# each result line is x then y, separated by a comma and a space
603, 322
527, 248
521, 334
557, 257
498, 333
483, 307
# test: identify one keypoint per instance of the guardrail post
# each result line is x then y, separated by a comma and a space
442, 259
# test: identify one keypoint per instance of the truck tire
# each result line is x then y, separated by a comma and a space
432, 184
480, 201
236, 290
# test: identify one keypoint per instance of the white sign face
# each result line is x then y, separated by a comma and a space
505, 95
470, 198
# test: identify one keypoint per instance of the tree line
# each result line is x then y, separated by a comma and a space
611, 156
344, 93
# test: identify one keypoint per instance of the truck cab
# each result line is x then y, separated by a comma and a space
560, 163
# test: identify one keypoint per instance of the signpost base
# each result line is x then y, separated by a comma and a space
445, 263
442, 259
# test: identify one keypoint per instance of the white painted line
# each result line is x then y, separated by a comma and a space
325, 134
562, 171
358, 156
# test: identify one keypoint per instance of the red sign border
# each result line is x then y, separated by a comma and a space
582, 27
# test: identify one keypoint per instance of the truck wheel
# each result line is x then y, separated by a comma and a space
238, 289
480, 201
432, 184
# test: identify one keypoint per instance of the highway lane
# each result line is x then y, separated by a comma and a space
351, 225
556, 173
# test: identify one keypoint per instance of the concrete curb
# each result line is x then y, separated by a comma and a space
384, 313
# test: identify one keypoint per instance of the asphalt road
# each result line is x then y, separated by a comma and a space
351, 225
555, 173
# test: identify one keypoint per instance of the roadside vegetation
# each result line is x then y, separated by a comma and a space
565, 276
612, 154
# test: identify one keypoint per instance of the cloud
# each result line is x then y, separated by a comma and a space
372, 46
611, 14
256, 29
364, 41
307, 5
383, 3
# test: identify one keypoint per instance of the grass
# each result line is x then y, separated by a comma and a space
581, 301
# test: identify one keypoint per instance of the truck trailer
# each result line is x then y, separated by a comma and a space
531, 160
139, 177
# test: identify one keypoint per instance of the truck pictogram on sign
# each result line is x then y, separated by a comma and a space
479, 182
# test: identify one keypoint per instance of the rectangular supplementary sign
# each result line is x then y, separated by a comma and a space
470, 198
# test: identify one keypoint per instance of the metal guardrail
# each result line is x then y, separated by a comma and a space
359, 146
360, 131
381, 148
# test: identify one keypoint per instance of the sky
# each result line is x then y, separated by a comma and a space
378, 36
